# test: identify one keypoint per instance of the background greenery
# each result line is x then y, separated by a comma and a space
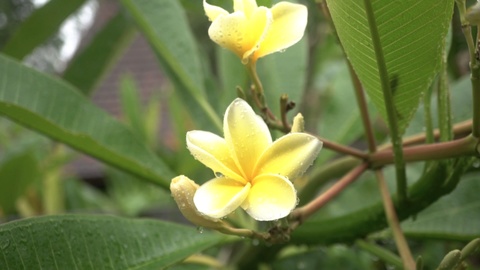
132, 223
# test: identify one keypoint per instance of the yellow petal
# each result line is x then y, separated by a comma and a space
271, 197
239, 34
290, 155
246, 135
220, 196
212, 11
213, 152
245, 6
287, 28
183, 189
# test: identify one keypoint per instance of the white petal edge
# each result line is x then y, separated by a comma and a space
220, 196
245, 6
271, 197
290, 155
212, 150
288, 27
212, 11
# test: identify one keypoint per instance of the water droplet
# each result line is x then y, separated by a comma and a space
255, 242
200, 229
218, 174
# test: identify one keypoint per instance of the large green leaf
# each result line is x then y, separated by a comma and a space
41, 25
88, 67
165, 26
453, 217
412, 35
97, 242
61, 112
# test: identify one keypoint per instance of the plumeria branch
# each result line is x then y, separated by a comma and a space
460, 130
474, 63
462, 147
392, 219
302, 213
389, 104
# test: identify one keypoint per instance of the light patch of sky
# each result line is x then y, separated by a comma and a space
72, 28
70, 33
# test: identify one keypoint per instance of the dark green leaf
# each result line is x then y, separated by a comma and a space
165, 26
97, 242
16, 173
41, 25
59, 111
453, 217
131, 106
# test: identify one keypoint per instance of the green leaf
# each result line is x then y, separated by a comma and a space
412, 35
40, 26
165, 26
232, 73
340, 120
61, 112
284, 73
453, 217
333, 257
131, 106
88, 67
16, 173
98, 242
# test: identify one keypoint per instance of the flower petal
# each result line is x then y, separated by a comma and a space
271, 197
220, 196
212, 11
239, 34
287, 28
290, 155
245, 6
213, 152
246, 135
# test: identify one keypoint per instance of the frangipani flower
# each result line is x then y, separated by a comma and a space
252, 32
252, 171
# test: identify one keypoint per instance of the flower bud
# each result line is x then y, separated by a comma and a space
298, 123
183, 189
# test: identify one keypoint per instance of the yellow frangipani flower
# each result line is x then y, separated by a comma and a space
252, 32
252, 171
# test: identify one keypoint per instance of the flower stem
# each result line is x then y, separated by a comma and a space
342, 148
392, 219
389, 104
258, 93
302, 213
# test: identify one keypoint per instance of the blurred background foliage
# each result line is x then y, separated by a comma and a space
86, 44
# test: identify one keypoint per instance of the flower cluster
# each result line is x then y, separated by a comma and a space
252, 172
